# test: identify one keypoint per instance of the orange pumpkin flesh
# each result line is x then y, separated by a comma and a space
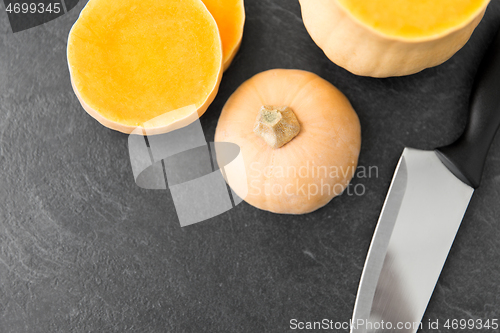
132, 61
391, 38
317, 164
413, 19
230, 18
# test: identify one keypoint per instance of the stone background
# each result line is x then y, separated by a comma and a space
83, 249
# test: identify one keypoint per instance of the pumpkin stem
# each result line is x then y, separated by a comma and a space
277, 125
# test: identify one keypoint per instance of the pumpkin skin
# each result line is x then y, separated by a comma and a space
230, 18
329, 139
351, 38
150, 64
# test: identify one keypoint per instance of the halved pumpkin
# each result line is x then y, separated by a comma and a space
382, 38
230, 17
145, 63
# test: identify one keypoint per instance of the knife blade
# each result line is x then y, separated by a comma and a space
423, 210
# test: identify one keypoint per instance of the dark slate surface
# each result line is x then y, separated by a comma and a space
83, 249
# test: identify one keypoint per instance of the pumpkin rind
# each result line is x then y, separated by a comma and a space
133, 61
329, 139
363, 50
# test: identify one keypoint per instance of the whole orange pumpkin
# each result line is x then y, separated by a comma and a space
299, 137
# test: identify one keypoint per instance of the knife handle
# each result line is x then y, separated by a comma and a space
465, 157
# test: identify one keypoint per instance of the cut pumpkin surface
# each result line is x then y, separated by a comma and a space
413, 18
230, 17
132, 61
383, 38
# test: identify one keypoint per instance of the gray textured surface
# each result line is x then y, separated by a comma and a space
83, 249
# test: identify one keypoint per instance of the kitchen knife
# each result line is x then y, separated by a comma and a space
424, 207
